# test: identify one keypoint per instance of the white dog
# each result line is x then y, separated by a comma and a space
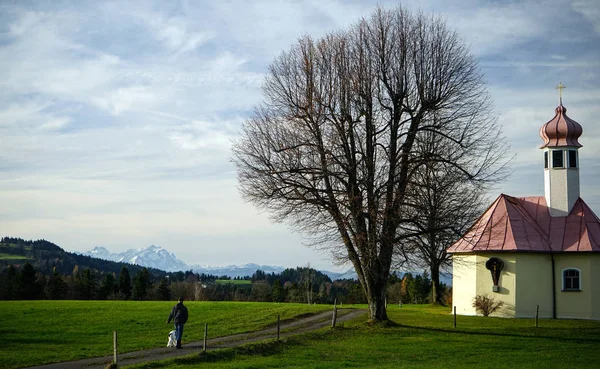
172, 340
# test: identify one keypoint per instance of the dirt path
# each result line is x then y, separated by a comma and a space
302, 325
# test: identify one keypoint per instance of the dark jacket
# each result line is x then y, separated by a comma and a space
179, 314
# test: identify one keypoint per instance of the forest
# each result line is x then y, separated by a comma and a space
33, 270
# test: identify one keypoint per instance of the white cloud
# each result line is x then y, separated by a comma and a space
123, 99
590, 9
491, 29
117, 118
175, 33
55, 123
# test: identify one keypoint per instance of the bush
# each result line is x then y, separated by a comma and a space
486, 304
447, 297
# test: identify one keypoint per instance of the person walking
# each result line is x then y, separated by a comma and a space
179, 315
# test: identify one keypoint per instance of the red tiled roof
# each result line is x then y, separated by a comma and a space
524, 224
561, 130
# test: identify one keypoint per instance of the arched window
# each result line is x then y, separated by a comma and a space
571, 280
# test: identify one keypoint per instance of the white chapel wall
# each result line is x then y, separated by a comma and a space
577, 304
534, 285
464, 278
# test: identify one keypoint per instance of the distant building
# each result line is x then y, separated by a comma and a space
532, 251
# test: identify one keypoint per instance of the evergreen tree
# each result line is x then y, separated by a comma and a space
56, 288
88, 284
277, 291
108, 287
8, 284
28, 286
163, 290
124, 284
141, 284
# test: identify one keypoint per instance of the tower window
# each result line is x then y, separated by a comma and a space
572, 158
571, 280
557, 159
545, 159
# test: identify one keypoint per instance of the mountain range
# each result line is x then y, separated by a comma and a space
160, 258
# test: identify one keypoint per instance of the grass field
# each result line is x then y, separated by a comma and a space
37, 332
232, 281
423, 338
4, 256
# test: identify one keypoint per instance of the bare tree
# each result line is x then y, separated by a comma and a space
307, 279
443, 203
331, 150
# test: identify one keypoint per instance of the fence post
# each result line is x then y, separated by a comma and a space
334, 318
537, 314
205, 336
278, 326
455, 317
116, 357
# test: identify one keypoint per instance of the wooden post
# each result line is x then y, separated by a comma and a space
334, 318
205, 337
278, 326
116, 357
537, 314
455, 317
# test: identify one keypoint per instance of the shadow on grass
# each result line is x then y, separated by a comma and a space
534, 333
220, 355
382, 324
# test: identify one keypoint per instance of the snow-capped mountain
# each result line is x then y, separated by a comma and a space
100, 253
151, 256
237, 270
159, 258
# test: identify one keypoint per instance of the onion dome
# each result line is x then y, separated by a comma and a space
561, 130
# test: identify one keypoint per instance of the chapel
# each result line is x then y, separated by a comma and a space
540, 253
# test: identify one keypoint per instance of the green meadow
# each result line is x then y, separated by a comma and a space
233, 281
420, 336
38, 332
7, 257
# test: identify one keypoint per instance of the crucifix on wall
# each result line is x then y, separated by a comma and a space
495, 266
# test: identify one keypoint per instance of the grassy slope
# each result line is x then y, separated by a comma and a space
233, 281
13, 257
37, 332
425, 339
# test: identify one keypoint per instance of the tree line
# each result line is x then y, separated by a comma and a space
300, 285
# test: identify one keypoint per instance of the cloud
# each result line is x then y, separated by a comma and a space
175, 33
139, 98
117, 117
590, 10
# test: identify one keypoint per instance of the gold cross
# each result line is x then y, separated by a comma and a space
560, 87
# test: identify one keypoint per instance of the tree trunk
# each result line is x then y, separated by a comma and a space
376, 291
377, 312
436, 292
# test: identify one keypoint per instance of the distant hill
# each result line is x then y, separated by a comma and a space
45, 256
160, 258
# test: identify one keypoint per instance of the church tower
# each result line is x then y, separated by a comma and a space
561, 160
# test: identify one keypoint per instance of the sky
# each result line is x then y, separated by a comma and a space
117, 117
